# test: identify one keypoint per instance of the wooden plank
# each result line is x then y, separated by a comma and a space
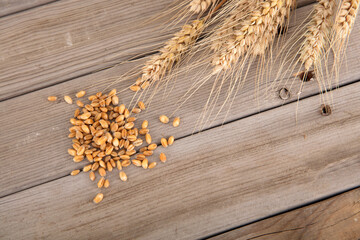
71, 38
331, 219
8, 7
27, 138
215, 180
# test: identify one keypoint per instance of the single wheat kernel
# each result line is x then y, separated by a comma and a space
81, 150
145, 124
75, 172
118, 165
102, 164
112, 92
103, 123
134, 88
98, 198
152, 165
123, 176
152, 147
129, 125
85, 116
125, 163
92, 176
141, 105
124, 157
164, 119
136, 110
106, 183
162, 157
101, 182
143, 131
115, 100
87, 168
126, 113
112, 162
78, 158
140, 157
136, 163
77, 112
68, 99
95, 166
109, 167
176, 122
52, 98
145, 163
80, 94
80, 103
148, 153
86, 129
131, 119
102, 172
148, 138
72, 152
164, 142
171, 140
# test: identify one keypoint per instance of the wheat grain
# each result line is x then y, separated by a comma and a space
164, 119
68, 99
162, 157
98, 198
80, 94
176, 122
52, 98
197, 6
75, 172
317, 33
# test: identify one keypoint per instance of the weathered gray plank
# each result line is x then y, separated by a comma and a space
69, 38
218, 179
12, 6
37, 121
331, 219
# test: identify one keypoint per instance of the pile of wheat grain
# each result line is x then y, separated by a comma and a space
104, 134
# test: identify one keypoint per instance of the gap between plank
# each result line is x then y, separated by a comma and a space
280, 213
30, 8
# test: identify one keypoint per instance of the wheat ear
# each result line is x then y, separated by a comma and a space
198, 6
346, 18
254, 34
317, 34
159, 64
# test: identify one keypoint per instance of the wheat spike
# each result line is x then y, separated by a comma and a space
346, 18
198, 6
157, 66
254, 34
317, 33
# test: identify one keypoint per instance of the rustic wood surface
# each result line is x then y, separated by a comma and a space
260, 162
331, 219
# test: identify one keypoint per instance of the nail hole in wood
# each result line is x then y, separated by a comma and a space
325, 110
306, 76
284, 93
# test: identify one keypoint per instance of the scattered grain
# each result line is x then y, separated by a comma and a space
75, 172
68, 99
162, 157
123, 176
176, 122
80, 94
98, 198
164, 119
164, 142
52, 98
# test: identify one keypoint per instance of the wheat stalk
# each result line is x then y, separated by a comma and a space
317, 33
198, 6
254, 34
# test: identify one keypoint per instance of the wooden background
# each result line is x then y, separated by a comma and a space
259, 175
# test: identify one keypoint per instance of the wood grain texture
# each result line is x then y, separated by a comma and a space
69, 38
8, 7
37, 121
215, 180
332, 219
